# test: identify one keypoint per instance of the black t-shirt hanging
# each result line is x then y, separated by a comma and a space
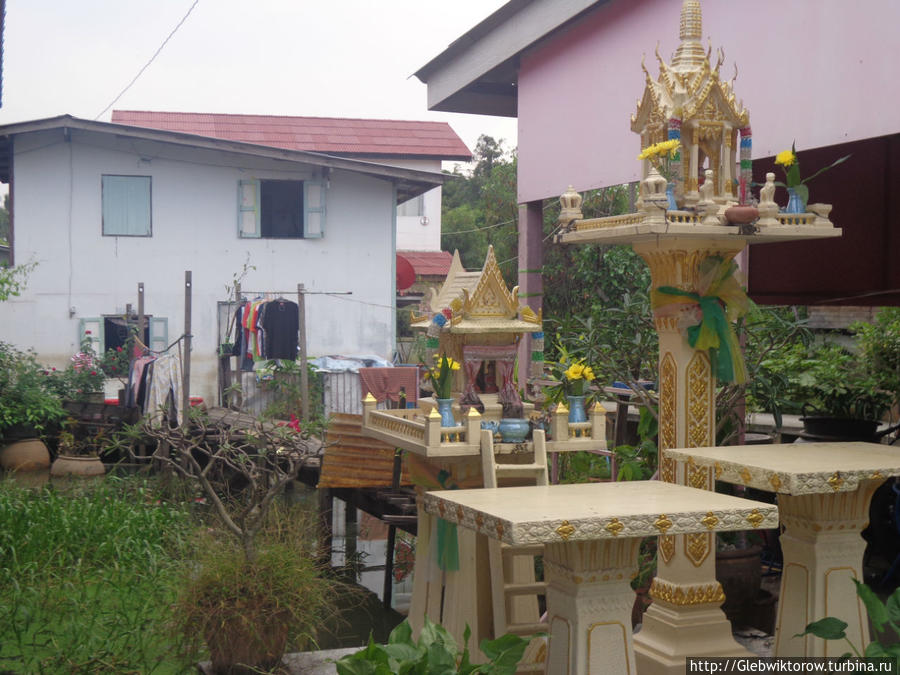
281, 322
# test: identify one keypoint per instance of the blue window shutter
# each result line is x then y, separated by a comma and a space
314, 209
248, 209
126, 206
95, 326
159, 334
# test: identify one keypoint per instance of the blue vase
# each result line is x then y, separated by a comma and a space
795, 203
513, 430
670, 194
445, 408
576, 409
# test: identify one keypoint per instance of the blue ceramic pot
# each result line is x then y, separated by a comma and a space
670, 194
795, 203
445, 408
576, 409
513, 430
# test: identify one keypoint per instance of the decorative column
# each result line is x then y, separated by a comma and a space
823, 550
586, 580
685, 618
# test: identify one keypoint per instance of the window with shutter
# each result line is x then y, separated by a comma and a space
126, 210
281, 209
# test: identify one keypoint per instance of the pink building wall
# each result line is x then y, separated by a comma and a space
819, 72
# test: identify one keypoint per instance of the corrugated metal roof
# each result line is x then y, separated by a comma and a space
332, 135
428, 263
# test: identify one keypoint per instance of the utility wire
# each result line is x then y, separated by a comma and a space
147, 65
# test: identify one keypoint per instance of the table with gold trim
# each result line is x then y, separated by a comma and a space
823, 492
591, 535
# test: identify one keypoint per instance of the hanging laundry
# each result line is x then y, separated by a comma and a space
280, 322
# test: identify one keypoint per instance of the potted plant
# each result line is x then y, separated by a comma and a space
574, 377
30, 405
259, 582
798, 192
840, 395
78, 451
441, 377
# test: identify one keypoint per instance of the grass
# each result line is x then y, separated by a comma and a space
87, 578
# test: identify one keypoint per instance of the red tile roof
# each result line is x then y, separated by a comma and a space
331, 135
428, 263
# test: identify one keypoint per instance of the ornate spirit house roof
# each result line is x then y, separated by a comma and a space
477, 302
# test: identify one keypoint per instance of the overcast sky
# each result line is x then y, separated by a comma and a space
333, 58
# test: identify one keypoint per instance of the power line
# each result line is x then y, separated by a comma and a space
152, 59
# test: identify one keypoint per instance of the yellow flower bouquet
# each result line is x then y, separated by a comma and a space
578, 376
661, 155
441, 375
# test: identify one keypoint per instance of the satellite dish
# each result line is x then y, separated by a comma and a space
423, 221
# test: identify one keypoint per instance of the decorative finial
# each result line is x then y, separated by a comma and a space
691, 20
570, 206
689, 55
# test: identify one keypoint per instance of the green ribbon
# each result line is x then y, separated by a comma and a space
714, 324
447, 537
721, 302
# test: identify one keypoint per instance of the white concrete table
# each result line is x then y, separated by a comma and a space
824, 490
591, 533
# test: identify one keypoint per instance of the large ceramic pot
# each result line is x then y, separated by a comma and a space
71, 465
740, 573
839, 428
247, 646
29, 454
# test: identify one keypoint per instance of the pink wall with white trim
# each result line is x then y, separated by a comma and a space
818, 71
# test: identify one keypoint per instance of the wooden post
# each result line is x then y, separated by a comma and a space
141, 320
301, 343
186, 372
388, 588
326, 529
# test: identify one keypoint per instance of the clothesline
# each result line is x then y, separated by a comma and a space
304, 292
177, 340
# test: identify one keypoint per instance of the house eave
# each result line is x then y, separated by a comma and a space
478, 72
410, 182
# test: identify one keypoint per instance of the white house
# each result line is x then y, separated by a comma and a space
102, 207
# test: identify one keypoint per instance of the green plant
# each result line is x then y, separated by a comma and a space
29, 395
285, 384
646, 563
435, 652
881, 615
828, 380
441, 375
225, 595
879, 348
256, 574
87, 577
768, 334
13, 279
638, 462
75, 439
